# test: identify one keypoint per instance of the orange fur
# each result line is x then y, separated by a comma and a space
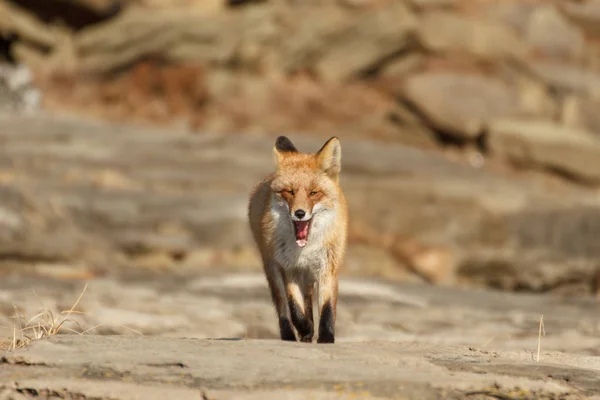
309, 184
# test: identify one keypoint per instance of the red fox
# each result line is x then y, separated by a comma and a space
299, 219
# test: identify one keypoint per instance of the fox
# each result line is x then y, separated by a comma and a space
298, 216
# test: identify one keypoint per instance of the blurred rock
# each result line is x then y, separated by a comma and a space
401, 67
377, 262
122, 321
100, 6
543, 27
17, 92
572, 151
427, 4
586, 14
515, 14
431, 218
34, 231
503, 75
447, 32
567, 78
581, 113
338, 47
461, 104
200, 7
366, 43
550, 34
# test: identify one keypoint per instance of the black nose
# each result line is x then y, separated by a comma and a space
299, 214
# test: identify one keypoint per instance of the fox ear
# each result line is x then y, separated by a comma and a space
330, 157
282, 145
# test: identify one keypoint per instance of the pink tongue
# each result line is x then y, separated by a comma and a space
301, 233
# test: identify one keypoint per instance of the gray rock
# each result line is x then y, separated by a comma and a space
187, 206
581, 113
401, 67
356, 46
267, 369
17, 92
373, 38
447, 32
514, 14
541, 143
461, 104
586, 14
545, 29
552, 36
568, 78
429, 4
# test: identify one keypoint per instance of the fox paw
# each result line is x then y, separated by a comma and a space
326, 338
307, 338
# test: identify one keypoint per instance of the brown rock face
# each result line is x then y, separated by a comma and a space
585, 14
169, 195
507, 86
570, 150
446, 32
581, 113
461, 104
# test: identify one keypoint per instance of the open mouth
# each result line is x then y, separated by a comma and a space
302, 229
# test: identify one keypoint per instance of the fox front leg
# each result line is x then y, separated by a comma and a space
300, 302
328, 291
279, 297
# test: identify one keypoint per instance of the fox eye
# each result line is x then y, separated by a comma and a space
290, 191
313, 193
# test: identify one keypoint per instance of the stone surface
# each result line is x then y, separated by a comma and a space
481, 99
581, 113
374, 37
552, 36
101, 7
429, 4
338, 48
513, 14
163, 200
586, 14
17, 92
303, 66
393, 341
447, 32
33, 231
548, 33
570, 150
401, 67
568, 78
203, 7
246, 369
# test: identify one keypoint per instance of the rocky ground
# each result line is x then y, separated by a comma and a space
195, 336
527, 72
153, 221
81, 197
470, 160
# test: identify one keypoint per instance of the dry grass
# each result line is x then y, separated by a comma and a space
42, 325
541, 331
46, 324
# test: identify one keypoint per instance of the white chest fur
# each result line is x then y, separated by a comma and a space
311, 258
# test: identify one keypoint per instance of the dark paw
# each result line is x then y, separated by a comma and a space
307, 338
306, 332
326, 325
286, 330
326, 337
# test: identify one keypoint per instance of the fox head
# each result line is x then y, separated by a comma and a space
306, 185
